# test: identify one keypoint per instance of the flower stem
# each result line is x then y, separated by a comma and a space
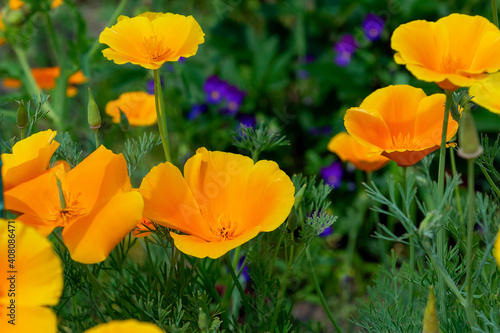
237, 283
494, 12
457, 194
32, 86
96, 136
160, 114
441, 235
412, 241
469, 304
320, 294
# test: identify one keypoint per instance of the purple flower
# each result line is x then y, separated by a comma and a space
150, 87
246, 119
307, 59
344, 50
244, 273
321, 130
215, 89
234, 98
327, 232
373, 25
196, 111
332, 174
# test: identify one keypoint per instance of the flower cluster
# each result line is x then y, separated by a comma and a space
221, 93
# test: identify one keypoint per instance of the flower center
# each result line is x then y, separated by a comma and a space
404, 142
224, 229
154, 48
451, 64
64, 216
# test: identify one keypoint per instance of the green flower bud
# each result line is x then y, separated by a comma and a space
292, 221
468, 139
13, 17
431, 323
22, 115
124, 124
203, 321
94, 115
299, 195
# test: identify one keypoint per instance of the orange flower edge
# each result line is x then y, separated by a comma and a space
139, 107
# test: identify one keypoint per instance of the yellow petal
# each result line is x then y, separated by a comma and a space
125, 326
168, 201
91, 238
267, 199
200, 248
368, 128
30, 319
30, 157
486, 92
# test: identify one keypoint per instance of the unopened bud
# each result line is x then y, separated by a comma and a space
94, 115
13, 17
292, 221
299, 195
431, 323
124, 124
203, 321
468, 139
22, 115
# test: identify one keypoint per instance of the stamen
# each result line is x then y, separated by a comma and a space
154, 48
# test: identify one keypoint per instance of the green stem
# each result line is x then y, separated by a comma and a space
412, 241
321, 296
441, 235
96, 136
237, 283
22, 133
494, 12
457, 192
469, 304
160, 114
492, 183
32, 86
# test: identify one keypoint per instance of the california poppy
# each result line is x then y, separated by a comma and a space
454, 52
18, 4
46, 77
223, 201
139, 107
38, 280
94, 203
400, 122
30, 158
151, 39
125, 326
350, 150
143, 228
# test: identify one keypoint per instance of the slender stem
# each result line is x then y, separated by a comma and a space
160, 114
469, 304
457, 193
494, 12
96, 136
321, 296
441, 235
22, 133
237, 283
32, 86
412, 241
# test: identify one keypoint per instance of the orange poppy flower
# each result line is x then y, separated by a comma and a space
223, 201
350, 150
400, 122
30, 158
37, 272
139, 107
485, 92
46, 79
454, 52
2, 30
94, 202
17, 4
143, 228
125, 326
151, 39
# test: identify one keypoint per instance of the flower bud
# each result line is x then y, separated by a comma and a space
94, 115
22, 115
124, 124
431, 324
292, 221
468, 139
203, 321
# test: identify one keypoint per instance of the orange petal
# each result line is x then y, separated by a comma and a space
368, 128
91, 238
11, 83
125, 326
168, 201
200, 248
30, 157
30, 319
139, 107
408, 157
267, 199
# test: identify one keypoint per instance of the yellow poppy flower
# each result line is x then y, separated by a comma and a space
151, 39
139, 107
36, 273
350, 150
125, 326
94, 202
17, 4
30, 158
46, 77
400, 122
486, 92
223, 201
143, 228
454, 52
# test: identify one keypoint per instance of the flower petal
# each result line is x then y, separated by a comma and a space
30, 319
139, 107
200, 248
125, 326
91, 238
368, 128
